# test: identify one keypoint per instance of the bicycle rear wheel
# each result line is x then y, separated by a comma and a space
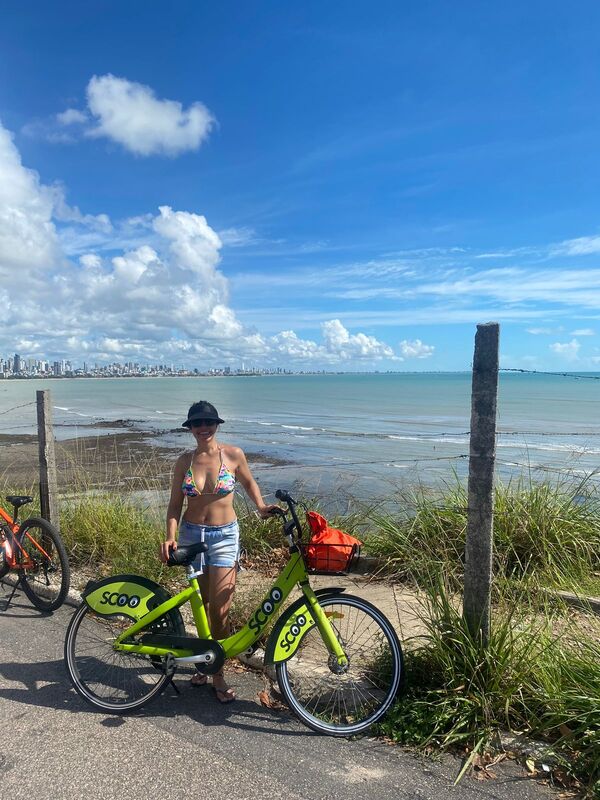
46, 581
111, 680
344, 702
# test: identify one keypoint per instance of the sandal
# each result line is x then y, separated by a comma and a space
224, 696
199, 679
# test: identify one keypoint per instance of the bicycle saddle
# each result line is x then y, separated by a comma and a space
185, 555
19, 500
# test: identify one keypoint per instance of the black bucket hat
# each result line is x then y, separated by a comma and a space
202, 410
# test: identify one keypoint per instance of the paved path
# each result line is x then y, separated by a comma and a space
54, 745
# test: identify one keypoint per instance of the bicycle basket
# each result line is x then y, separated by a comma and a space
329, 550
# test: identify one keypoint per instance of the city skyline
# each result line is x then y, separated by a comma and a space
16, 367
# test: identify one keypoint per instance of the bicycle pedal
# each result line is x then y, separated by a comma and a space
169, 668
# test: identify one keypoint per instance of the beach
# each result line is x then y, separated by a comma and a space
360, 434
123, 459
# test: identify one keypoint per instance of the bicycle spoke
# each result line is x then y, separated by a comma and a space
111, 679
333, 699
43, 563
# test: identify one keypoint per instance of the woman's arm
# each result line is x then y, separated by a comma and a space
174, 509
245, 477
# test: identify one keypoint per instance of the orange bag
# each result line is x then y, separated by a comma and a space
329, 549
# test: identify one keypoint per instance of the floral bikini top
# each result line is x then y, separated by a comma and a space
225, 483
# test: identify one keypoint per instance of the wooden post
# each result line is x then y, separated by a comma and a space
48, 483
479, 544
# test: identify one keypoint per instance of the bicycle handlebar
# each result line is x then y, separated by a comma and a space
282, 494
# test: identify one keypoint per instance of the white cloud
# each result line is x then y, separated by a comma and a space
568, 350
339, 341
289, 344
164, 297
192, 240
28, 240
90, 261
339, 345
583, 332
72, 117
540, 331
49, 129
66, 213
584, 245
130, 114
237, 237
416, 349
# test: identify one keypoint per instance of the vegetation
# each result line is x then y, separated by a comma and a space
539, 676
529, 679
546, 534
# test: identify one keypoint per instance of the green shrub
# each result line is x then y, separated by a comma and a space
541, 531
527, 679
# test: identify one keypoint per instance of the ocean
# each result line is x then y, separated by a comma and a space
363, 434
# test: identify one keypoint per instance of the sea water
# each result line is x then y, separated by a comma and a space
360, 433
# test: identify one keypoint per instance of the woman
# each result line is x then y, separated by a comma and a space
206, 477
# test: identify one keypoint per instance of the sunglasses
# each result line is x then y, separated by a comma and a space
199, 423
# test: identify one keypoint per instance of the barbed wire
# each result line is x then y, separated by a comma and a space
22, 405
387, 461
557, 374
425, 437
94, 419
11, 428
88, 420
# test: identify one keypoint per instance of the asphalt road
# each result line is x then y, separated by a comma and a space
54, 745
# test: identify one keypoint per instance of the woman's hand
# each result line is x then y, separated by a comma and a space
271, 510
165, 549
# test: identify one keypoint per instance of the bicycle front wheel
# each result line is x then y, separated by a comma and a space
343, 702
109, 679
45, 579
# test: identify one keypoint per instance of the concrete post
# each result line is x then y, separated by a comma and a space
48, 482
479, 543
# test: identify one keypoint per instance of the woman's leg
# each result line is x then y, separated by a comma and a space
221, 586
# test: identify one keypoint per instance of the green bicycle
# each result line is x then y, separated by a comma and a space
337, 659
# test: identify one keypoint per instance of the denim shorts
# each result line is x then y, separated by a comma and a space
223, 543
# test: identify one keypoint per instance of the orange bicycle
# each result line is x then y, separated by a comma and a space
34, 550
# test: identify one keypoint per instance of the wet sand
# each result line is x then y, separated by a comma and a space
127, 459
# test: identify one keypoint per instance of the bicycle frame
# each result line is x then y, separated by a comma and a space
294, 572
15, 554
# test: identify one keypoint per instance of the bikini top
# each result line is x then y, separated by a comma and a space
224, 485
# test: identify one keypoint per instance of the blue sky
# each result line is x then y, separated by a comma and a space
313, 185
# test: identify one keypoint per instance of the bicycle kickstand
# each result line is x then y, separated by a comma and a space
5, 602
170, 671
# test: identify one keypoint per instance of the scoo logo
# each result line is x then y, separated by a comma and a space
116, 599
288, 640
260, 617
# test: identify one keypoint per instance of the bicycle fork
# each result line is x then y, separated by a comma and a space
339, 658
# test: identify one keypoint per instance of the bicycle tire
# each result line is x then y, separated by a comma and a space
47, 583
7, 533
348, 703
4, 568
110, 680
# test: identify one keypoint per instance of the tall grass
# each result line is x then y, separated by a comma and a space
107, 533
527, 679
541, 531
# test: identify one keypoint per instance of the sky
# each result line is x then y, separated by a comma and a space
339, 186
